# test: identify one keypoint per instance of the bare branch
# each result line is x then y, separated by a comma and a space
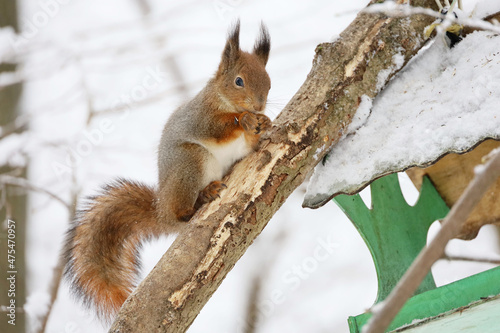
24, 183
20, 124
470, 259
180, 7
145, 101
485, 175
32, 73
57, 272
144, 7
394, 10
169, 60
53, 290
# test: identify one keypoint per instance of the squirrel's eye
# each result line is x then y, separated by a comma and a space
239, 81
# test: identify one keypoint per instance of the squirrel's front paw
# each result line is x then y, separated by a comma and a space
255, 122
211, 192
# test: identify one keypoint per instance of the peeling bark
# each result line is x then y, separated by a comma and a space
175, 291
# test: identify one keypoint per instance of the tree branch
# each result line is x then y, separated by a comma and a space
22, 182
451, 226
396, 10
57, 272
470, 259
316, 118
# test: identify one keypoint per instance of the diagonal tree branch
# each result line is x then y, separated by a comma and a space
195, 265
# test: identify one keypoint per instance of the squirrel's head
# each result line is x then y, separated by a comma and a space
242, 80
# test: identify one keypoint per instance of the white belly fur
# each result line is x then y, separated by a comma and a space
224, 156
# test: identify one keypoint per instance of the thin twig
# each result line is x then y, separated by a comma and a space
169, 61
471, 259
485, 175
54, 289
24, 183
147, 100
254, 313
157, 18
20, 124
144, 7
32, 73
394, 10
57, 272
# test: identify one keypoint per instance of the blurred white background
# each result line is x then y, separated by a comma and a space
101, 78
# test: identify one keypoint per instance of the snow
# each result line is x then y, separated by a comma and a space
485, 8
95, 56
444, 101
362, 114
397, 62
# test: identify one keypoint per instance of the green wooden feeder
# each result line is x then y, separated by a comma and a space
395, 233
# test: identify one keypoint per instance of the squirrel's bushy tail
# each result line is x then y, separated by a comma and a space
101, 247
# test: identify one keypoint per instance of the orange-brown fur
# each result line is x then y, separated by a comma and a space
200, 142
96, 242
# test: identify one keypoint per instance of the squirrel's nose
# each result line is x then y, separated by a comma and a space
259, 105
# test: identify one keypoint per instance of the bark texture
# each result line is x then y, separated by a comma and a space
172, 295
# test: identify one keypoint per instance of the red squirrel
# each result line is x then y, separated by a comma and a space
200, 142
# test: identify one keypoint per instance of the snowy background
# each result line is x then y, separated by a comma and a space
101, 78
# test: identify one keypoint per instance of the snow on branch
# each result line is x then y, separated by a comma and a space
392, 9
445, 101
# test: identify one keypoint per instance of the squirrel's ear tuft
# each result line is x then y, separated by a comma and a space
263, 45
232, 50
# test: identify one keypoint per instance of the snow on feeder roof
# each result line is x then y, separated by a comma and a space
445, 101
